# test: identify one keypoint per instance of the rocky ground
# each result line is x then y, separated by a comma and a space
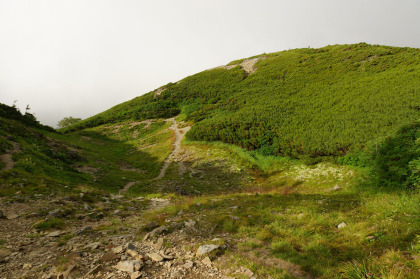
105, 236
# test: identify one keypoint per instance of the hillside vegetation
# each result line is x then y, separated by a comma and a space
303, 165
299, 103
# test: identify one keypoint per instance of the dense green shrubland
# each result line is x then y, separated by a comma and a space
299, 103
394, 160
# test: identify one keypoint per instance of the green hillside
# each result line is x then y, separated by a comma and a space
297, 164
299, 103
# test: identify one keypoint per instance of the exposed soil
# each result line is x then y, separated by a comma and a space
7, 159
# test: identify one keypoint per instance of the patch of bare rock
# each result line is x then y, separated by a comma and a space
91, 247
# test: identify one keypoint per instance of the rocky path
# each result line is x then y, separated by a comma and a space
174, 156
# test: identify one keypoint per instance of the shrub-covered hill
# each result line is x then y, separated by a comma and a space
302, 102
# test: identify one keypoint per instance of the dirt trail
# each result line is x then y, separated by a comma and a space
174, 156
7, 157
127, 186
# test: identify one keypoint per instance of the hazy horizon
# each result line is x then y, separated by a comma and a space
79, 58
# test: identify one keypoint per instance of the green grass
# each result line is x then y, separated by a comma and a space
51, 223
297, 220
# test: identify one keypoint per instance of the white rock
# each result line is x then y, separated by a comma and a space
204, 249
342, 225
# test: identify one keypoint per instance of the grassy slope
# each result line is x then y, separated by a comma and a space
275, 208
41, 163
303, 102
100, 157
282, 209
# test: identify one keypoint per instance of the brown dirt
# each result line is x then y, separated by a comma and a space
7, 159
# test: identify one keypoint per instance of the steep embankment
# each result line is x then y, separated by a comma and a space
299, 103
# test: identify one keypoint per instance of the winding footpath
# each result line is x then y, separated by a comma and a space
174, 156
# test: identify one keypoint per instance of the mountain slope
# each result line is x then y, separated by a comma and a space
303, 102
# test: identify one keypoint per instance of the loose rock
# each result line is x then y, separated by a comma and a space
342, 225
158, 244
129, 266
206, 261
158, 231
204, 249
155, 257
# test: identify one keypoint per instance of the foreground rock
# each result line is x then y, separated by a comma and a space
204, 249
130, 266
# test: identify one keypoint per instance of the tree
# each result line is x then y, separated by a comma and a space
67, 121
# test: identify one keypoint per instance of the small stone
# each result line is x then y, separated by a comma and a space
336, 188
204, 249
117, 249
158, 244
155, 257
188, 265
55, 213
108, 257
27, 266
12, 216
248, 273
92, 246
190, 223
132, 253
206, 261
129, 266
131, 246
55, 234
158, 231
342, 225
84, 229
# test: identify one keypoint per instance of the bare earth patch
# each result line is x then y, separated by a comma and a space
7, 157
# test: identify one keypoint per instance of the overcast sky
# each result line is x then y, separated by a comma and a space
80, 57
